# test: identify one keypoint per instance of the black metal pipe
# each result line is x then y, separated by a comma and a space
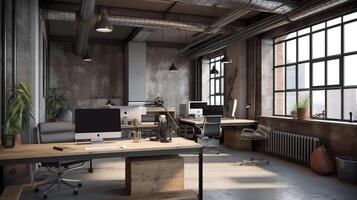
14, 49
200, 175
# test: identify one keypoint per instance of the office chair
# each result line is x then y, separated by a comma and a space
58, 132
261, 133
211, 132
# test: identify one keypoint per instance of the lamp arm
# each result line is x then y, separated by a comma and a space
172, 119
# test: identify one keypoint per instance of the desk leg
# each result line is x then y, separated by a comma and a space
200, 175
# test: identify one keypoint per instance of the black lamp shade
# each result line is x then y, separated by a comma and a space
173, 67
87, 58
214, 70
109, 102
104, 26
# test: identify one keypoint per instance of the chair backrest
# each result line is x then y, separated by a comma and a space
55, 132
212, 126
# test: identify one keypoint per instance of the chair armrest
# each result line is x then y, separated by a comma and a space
248, 130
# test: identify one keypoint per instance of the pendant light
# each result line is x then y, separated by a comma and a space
225, 59
214, 70
109, 102
173, 67
87, 58
103, 25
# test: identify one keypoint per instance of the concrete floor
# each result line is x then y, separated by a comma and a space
223, 179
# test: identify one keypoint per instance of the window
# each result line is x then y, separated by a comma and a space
216, 81
318, 63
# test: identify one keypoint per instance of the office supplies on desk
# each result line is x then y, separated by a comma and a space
61, 148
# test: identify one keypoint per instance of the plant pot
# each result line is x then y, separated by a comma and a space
8, 141
18, 140
303, 113
294, 114
347, 169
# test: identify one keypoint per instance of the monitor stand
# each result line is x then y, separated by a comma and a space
96, 140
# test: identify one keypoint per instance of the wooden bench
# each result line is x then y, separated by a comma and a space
12, 192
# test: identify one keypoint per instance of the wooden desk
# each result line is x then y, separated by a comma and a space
35, 153
143, 125
224, 122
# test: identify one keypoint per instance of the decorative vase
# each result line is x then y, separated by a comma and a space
17, 140
303, 113
8, 141
294, 114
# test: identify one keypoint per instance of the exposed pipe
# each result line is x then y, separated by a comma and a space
273, 6
307, 9
86, 14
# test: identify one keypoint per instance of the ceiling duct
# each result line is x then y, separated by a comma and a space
307, 9
272, 6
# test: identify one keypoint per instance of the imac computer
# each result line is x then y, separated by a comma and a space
97, 124
196, 108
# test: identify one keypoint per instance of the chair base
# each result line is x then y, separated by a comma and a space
59, 181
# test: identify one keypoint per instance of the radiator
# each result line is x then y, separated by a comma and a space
291, 146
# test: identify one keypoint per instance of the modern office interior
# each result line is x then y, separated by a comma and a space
178, 99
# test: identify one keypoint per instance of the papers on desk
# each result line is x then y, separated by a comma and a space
104, 148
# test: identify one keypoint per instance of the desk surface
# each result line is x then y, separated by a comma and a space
143, 125
33, 153
224, 121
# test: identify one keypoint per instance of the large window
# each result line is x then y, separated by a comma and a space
318, 63
216, 81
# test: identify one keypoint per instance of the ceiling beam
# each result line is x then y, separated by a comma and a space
133, 34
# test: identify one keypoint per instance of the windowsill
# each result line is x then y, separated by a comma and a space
311, 120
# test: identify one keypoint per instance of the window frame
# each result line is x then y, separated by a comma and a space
219, 77
277, 40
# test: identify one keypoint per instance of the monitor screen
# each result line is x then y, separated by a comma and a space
97, 120
213, 110
197, 105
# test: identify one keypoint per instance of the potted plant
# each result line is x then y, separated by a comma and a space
19, 113
56, 102
294, 111
303, 111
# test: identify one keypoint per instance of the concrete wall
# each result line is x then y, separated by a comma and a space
175, 87
236, 79
88, 84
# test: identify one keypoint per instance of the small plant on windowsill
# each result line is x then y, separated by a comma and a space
303, 111
56, 103
294, 111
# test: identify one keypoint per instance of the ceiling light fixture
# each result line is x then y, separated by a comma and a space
214, 70
87, 58
103, 25
173, 67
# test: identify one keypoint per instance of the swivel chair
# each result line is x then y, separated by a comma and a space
210, 133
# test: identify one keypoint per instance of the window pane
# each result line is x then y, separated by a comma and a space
302, 95
318, 102
217, 85
280, 54
318, 26
290, 77
222, 85
334, 21
280, 78
334, 41
333, 72
334, 104
318, 73
290, 102
318, 44
291, 35
212, 100
350, 103
212, 86
222, 100
304, 31
304, 48
350, 39
304, 75
350, 70
350, 17
222, 70
291, 51
279, 103
218, 100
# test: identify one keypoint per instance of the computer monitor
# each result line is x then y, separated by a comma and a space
213, 110
234, 108
97, 124
196, 108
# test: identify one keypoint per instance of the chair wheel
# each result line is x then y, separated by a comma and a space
44, 196
80, 185
36, 190
90, 170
